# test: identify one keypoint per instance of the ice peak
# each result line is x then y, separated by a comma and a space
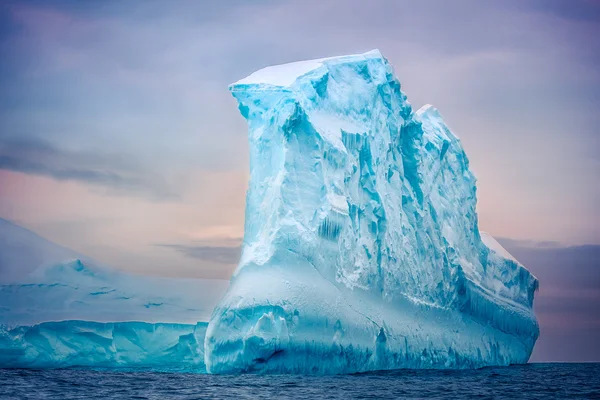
429, 111
286, 74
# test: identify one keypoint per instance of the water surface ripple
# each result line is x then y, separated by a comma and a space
532, 381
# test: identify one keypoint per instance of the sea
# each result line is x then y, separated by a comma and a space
530, 381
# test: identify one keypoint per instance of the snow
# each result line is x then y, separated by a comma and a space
80, 290
22, 251
58, 284
361, 246
286, 74
429, 111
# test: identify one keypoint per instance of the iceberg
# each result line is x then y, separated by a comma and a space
361, 242
109, 345
77, 312
82, 290
22, 251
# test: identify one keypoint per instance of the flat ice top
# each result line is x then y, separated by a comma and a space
286, 74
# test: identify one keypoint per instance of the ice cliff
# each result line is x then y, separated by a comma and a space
361, 247
110, 345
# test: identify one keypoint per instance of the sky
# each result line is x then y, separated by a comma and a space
120, 140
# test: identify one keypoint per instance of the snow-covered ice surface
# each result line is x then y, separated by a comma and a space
361, 247
80, 290
77, 312
22, 251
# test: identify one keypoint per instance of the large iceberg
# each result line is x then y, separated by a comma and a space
361, 247
77, 312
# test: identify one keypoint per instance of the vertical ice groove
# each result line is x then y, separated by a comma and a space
361, 235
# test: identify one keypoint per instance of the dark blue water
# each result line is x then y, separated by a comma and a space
533, 381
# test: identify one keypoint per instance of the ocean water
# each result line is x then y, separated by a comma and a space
532, 381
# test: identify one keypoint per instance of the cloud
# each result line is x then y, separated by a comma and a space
36, 156
578, 10
530, 244
568, 302
226, 255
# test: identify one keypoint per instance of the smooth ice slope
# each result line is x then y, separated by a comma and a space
52, 283
361, 246
22, 252
81, 290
